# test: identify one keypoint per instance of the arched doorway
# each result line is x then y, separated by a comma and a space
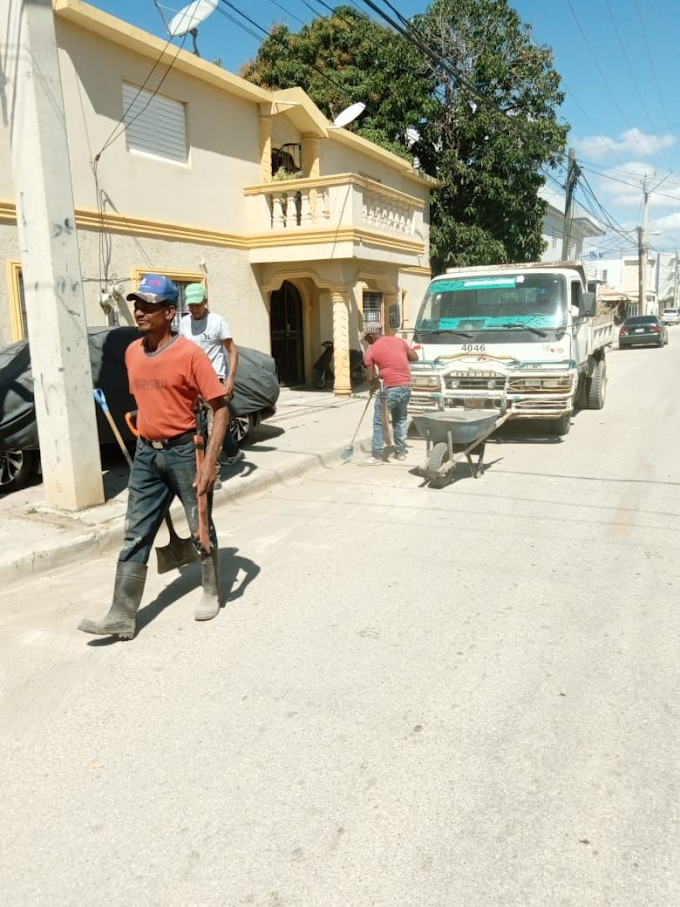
285, 321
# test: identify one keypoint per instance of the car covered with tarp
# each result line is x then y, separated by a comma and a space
255, 395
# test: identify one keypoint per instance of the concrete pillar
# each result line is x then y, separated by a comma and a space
265, 126
340, 301
311, 169
55, 306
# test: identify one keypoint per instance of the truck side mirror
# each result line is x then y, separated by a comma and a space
588, 304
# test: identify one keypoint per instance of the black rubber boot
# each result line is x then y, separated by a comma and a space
209, 603
127, 596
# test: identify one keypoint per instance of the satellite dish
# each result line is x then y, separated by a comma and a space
190, 17
346, 116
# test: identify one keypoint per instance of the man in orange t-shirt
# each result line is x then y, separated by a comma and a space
167, 375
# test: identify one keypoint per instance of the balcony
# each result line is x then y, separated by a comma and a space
343, 216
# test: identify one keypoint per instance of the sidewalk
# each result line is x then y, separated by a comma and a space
310, 430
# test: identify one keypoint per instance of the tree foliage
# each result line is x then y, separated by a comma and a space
484, 103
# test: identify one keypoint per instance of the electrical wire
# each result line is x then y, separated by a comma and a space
643, 105
651, 59
605, 80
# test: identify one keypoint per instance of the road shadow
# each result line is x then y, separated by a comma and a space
236, 574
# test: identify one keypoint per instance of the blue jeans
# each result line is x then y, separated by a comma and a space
157, 477
397, 403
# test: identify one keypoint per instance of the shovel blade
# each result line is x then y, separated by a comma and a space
347, 453
177, 553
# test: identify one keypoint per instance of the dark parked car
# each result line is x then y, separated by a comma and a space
255, 396
642, 329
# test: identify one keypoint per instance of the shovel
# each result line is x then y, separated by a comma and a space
199, 444
348, 452
179, 551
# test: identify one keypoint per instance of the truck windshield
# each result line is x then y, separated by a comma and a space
531, 303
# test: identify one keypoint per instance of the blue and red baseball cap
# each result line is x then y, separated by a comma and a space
155, 288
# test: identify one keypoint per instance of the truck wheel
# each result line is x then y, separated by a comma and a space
597, 386
561, 426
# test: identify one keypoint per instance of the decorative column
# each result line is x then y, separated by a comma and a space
311, 169
340, 300
265, 125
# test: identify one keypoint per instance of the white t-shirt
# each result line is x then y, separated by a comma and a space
209, 333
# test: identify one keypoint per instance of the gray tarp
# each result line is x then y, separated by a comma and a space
257, 387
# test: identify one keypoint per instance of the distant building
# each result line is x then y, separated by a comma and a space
583, 226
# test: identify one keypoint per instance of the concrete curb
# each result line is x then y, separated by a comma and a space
82, 541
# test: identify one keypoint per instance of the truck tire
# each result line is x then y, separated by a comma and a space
597, 386
561, 426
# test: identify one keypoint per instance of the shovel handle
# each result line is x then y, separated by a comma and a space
199, 444
101, 400
130, 422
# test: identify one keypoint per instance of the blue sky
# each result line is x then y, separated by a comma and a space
618, 62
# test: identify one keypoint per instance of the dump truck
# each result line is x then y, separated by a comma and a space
524, 339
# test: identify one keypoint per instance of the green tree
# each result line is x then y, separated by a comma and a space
345, 58
496, 128
483, 101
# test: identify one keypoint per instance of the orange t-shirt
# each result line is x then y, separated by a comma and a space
166, 385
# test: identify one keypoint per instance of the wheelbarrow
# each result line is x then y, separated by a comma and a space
453, 434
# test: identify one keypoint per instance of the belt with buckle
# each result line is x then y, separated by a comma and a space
165, 443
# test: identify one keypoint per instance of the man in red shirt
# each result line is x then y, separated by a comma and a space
167, 374
391, 357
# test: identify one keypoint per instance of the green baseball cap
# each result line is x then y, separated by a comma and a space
194, 294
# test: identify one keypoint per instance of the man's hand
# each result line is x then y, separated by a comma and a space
229, 388
205, 477
374, 385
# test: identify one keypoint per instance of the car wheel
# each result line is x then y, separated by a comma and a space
16, 468
241, 426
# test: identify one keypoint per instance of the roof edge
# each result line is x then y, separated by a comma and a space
142, 42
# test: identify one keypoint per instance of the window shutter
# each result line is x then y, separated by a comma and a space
154, 124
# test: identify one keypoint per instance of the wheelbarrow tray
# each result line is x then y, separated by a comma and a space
462, 426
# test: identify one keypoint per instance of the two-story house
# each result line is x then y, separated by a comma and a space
301, 230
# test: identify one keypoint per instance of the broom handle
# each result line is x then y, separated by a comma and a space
354, 436
101, 400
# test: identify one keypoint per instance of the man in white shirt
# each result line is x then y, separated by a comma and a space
211, 332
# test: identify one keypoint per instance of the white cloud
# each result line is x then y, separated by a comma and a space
631, 142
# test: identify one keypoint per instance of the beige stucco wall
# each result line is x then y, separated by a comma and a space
223, 157
234, 291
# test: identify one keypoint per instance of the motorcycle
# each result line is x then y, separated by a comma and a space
324, 371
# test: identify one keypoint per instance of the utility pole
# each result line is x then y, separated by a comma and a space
33, 108
573, 173
642, 249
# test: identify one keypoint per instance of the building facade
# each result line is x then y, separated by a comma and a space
302, 231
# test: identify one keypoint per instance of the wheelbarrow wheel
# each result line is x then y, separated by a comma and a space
438, 456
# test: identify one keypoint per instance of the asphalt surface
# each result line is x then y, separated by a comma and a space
454, 698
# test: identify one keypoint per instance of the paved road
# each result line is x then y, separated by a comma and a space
421, 698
